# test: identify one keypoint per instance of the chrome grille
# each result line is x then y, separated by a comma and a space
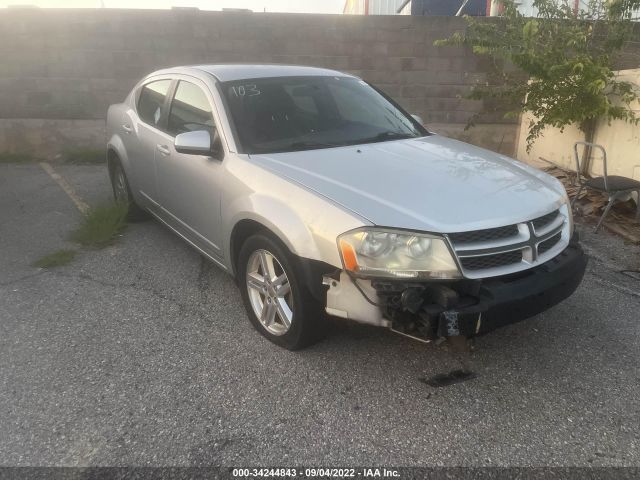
547, 245
510, 248
484, 235
541, 222
491, 261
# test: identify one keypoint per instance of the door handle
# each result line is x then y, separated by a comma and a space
127, 128
163, 149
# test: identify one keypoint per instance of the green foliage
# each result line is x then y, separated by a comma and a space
55, 259
623, 9
8, 157
101, 225
567, 57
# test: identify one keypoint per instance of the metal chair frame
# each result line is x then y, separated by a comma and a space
613, 195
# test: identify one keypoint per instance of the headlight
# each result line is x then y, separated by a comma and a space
376, 252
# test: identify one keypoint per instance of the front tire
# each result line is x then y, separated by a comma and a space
122, 193
278, 303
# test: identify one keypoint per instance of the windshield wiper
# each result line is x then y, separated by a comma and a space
312, 145
390, 136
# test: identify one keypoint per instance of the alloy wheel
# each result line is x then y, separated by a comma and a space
269, 292
120, 186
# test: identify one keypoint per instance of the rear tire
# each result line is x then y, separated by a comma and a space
278, 303
122, 193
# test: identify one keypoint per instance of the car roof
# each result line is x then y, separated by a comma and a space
238, 71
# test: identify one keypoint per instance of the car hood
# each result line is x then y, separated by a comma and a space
432, 183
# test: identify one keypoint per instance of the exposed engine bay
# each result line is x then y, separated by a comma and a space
432, 310
421, 310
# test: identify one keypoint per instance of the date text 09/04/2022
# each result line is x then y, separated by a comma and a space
315, 472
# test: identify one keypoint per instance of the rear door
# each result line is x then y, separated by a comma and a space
190, 185
142, 130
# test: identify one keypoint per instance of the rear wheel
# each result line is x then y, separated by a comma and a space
278, 304
122, 193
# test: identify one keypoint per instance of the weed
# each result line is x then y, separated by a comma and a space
9, 157
101, 225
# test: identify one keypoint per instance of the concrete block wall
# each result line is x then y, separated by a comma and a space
59, 68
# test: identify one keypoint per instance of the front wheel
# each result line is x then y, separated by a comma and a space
278, 304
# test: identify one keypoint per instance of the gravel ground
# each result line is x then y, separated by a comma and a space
141, 354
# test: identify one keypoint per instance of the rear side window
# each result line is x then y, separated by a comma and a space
190, 110
151, 100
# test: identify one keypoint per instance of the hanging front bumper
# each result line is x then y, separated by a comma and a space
427, 310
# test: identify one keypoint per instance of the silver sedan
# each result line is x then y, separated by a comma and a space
321, 195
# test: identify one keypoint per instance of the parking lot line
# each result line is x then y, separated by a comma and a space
68, 189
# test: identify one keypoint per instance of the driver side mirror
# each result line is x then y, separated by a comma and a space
199, 142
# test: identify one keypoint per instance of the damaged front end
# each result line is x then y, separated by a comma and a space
427, 310
430, 311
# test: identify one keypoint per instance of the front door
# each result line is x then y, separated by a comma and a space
189, 185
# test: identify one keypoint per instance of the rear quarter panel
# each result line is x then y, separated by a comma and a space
115, 113
125, 146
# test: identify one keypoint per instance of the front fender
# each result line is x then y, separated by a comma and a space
307, 226
307, 223
278, 217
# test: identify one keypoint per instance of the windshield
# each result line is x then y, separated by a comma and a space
286, 114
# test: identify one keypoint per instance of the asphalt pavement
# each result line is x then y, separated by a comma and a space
141, 354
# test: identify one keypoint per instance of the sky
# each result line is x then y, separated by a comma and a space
298, 6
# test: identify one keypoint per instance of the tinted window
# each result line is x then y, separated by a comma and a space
286, 114
303, 101
355, 105
190, 110
151, 100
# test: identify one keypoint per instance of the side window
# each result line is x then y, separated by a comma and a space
151, 100
190, 110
